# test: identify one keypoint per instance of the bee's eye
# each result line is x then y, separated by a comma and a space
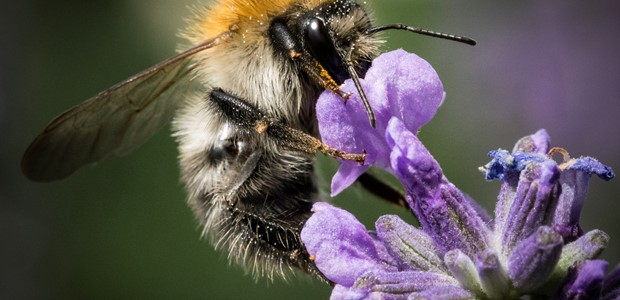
322, 47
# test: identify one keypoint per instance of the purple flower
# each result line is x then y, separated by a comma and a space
534, 245
560, 188
415, 94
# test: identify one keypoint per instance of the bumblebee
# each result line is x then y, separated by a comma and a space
241, 99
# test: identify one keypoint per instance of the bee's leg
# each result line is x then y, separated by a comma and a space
247, 116
382, 190
251, 118
246, 171
278, 238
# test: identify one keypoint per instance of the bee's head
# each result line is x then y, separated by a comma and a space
327, 42
334, 41
334, 33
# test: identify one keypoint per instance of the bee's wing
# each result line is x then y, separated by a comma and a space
116, 120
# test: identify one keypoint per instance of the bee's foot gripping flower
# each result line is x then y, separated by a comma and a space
534, 245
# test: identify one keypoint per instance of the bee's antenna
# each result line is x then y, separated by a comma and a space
356, 80
441, 35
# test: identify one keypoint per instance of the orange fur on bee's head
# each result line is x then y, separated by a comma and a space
218, 17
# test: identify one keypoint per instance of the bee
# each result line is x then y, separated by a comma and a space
241, 99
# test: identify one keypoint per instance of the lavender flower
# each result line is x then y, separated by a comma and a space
534, 246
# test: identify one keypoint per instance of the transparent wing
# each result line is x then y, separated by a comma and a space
116, 120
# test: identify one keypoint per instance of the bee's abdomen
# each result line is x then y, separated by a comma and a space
260, 223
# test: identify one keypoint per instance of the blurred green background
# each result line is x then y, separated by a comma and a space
122, 230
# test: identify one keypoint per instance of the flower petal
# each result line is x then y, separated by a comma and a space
574, 182
584, 281
449, 219
448, 292
346, 127
464, 270
342, 248
443, 211
535, 193
341, 292
398, 285
588, 246
411, 247
535, 143
493, 279
533, 260
411, 162
397, 84
346, 175
505, 200
414, 90
574, 186
505, 163
611, 284
590, 166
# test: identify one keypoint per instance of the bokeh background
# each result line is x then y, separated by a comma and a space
121, 230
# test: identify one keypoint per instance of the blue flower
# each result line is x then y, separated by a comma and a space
533, 246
